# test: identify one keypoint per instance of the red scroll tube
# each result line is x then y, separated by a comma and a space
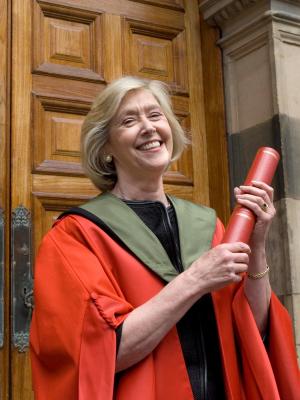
242, 220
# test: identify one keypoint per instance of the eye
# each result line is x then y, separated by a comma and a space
155, 115
128, 121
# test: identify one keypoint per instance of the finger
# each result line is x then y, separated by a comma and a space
266, 187
263, 214
255, 192
236, 267
237, 191
236, 247
235, 278
239, 268
241, 258
255, 199
236, 271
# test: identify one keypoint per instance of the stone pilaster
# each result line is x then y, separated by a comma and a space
261, 52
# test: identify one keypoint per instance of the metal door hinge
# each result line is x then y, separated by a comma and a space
21, 278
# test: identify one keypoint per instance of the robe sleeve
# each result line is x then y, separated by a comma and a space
268, 372
218, 234
78, 306
271, 369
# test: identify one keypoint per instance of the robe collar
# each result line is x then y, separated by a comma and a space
196, 225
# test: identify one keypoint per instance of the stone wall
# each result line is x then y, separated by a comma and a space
261, 54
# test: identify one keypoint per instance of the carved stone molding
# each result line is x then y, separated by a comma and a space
240, 19
223, 10
220, 12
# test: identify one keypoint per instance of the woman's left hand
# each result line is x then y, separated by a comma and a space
259, 199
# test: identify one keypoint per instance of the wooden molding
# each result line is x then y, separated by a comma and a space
172, 4
217, 157
67, 42
47, 207
139, 10
155, 52
177, 178
5, 189
56, 134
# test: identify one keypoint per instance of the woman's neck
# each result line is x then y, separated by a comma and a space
140, 191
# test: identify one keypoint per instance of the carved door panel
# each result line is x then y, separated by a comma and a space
63, 53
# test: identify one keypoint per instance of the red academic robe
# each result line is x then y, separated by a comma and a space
85, 286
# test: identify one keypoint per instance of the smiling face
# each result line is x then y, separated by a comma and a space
140, 138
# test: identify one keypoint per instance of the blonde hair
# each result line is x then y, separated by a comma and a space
96, 126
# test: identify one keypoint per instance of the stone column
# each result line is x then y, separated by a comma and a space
260, 41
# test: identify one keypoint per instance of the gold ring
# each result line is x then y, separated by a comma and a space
264, 207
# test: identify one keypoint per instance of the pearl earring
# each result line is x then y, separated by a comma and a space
108, 158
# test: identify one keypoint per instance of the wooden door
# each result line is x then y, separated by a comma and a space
4, 196
63, 52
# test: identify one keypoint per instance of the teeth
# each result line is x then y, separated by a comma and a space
148, 146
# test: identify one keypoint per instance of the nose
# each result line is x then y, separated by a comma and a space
147, 126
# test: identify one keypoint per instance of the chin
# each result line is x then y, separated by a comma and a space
159, 165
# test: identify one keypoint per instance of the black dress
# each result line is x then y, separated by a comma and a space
197, 329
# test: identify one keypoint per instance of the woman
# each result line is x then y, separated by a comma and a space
135, 297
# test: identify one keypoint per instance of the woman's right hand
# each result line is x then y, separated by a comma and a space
219, 267
147, 324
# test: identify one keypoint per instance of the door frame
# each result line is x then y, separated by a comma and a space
5, 156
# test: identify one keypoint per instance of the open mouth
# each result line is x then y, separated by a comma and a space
150, 145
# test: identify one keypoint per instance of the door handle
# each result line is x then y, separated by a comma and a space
21, 278
1, 277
